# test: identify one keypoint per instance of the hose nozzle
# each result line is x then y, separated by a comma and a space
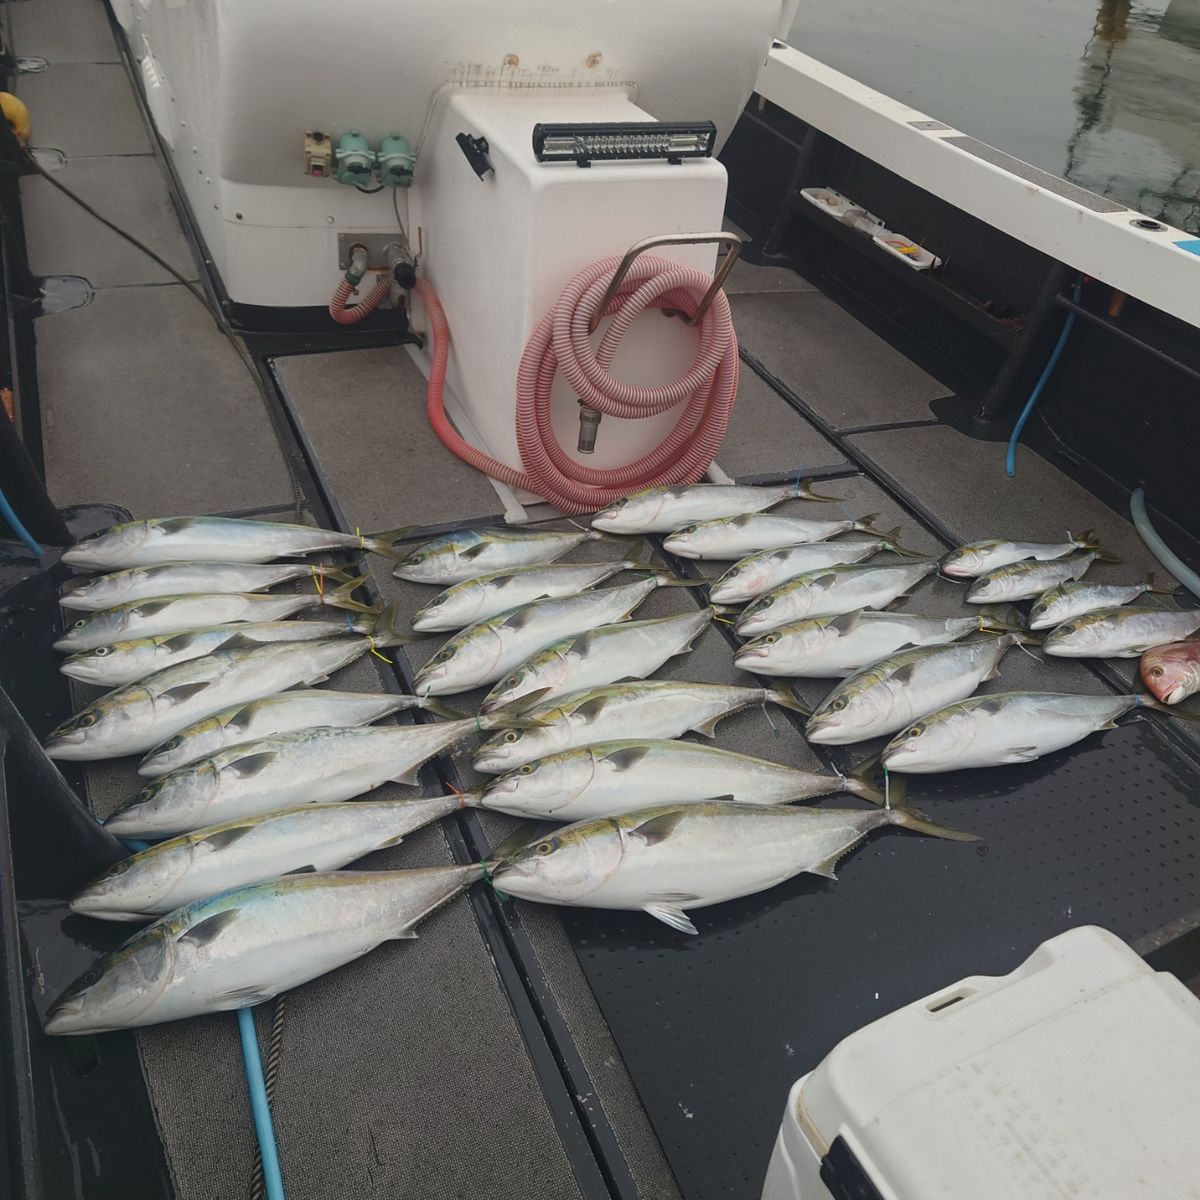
589, 426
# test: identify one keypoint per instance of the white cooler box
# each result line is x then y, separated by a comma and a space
1077, 1077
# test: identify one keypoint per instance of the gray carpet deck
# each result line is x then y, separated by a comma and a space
63, 31
846, 373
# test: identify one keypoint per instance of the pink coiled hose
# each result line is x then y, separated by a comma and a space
561, 342
351, 315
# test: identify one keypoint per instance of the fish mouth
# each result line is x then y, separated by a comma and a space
66, 644
491, 762
750, 652
69, 746
130, 822
66, 1017
1173, 695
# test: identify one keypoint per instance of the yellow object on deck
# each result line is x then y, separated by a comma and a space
17, 115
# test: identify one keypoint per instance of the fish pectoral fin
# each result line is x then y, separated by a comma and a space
244, 997
657, 829
626, 757
671, 914
410, 777
185, 691
708, 728
1023, 754
904, 674
253, 764
405, 935
305, 870
827, 867
210, 929
225, 837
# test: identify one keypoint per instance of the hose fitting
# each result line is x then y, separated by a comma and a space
589, 426
358, 266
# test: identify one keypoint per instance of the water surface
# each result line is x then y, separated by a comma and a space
1103, 92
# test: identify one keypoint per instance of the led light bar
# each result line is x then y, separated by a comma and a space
585, 144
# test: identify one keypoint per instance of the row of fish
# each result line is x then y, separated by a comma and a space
222, 732
575, 745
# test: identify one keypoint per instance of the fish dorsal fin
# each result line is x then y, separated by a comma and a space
626, 757
185, 691
252, 764
673, 915
903, 675
846, 622
151, 607
211, 928
657, 829
225, 837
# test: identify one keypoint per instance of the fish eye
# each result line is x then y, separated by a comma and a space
766, 602
90, 977
172, 744
1156, 671
85, 720
1066, 629
511, 736
687, 529
79, 624
838, 704
416, 558
100, 651
544, 848
527, 769
915, 731
446, 655
148, 792
771, 639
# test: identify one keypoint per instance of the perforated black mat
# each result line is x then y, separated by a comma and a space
715, 1030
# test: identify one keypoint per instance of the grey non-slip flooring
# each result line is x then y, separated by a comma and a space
404, 1074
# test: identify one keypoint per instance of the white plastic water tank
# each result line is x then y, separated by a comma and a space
1077, 1077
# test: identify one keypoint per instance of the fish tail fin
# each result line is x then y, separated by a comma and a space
899, 812
641, 558
1144, 701
342, 597
803, 491
1148, 586
431, 704
782, 695
1004, 618
1087, 540
600, 535
385, 542
324, 571
387, 630
866, 781
890, 537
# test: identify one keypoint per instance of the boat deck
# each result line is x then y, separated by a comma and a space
517, 1051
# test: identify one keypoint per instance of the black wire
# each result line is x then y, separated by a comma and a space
368, 191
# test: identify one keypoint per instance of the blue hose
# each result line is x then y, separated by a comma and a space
1010, 460
263, 1126
6, 511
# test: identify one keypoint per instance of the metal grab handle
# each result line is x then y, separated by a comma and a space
673, 239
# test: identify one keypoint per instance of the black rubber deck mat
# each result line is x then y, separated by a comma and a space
714, 1030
